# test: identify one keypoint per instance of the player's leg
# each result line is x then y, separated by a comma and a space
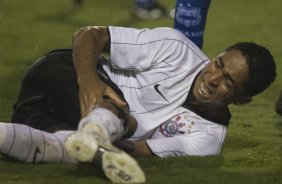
100, 126
190, 19
30, 145
48, 97
55, 79
107, 124
93, 143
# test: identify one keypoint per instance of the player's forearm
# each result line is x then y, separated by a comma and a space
88, 44
135, 149
141, 150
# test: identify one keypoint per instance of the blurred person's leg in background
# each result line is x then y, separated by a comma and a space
190, 19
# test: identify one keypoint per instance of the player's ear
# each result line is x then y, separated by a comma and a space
241, 100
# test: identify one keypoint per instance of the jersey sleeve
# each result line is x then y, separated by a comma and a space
141, 49
187, 134
196, 144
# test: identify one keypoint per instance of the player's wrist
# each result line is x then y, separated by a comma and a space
126, 145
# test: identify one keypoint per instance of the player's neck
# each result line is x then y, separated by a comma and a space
213, 111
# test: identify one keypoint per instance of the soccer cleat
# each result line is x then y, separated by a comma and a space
278, 104
119, 167
91, 145
153, 11
81, 146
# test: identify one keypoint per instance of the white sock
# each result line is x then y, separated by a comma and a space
33, 146
107, 121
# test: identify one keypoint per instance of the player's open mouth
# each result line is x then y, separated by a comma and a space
204, 90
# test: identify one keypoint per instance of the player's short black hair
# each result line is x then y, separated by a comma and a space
261, 67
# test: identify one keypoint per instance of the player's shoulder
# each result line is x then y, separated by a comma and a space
175, 36
170, 33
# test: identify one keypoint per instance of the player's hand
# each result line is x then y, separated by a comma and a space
91, 93
109, 92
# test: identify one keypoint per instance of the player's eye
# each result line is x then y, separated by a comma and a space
228, 83
219, 63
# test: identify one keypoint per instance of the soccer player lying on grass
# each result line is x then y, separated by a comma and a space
178, 97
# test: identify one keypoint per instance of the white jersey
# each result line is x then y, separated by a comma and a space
154, 69
187, 134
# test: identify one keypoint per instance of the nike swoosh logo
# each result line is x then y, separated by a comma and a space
156, 87
36, 152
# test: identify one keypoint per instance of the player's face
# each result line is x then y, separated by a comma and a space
222, 80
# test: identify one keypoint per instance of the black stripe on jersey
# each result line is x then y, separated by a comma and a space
31, 141
63, 155
152, 109
14, 138
164, 39
156, 82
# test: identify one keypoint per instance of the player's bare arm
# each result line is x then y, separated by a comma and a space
141, 149
88, 43
135, 149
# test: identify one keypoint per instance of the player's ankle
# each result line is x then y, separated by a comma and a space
107, 121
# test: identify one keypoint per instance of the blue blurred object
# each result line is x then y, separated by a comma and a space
144, 3
190, 19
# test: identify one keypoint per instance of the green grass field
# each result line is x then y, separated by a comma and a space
252, 152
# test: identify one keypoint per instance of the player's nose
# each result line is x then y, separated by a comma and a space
214, 79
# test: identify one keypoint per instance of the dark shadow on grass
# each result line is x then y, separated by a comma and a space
5, 159
83, 170
86, 170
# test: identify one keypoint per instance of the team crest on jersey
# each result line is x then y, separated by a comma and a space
180, 124
169, 128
